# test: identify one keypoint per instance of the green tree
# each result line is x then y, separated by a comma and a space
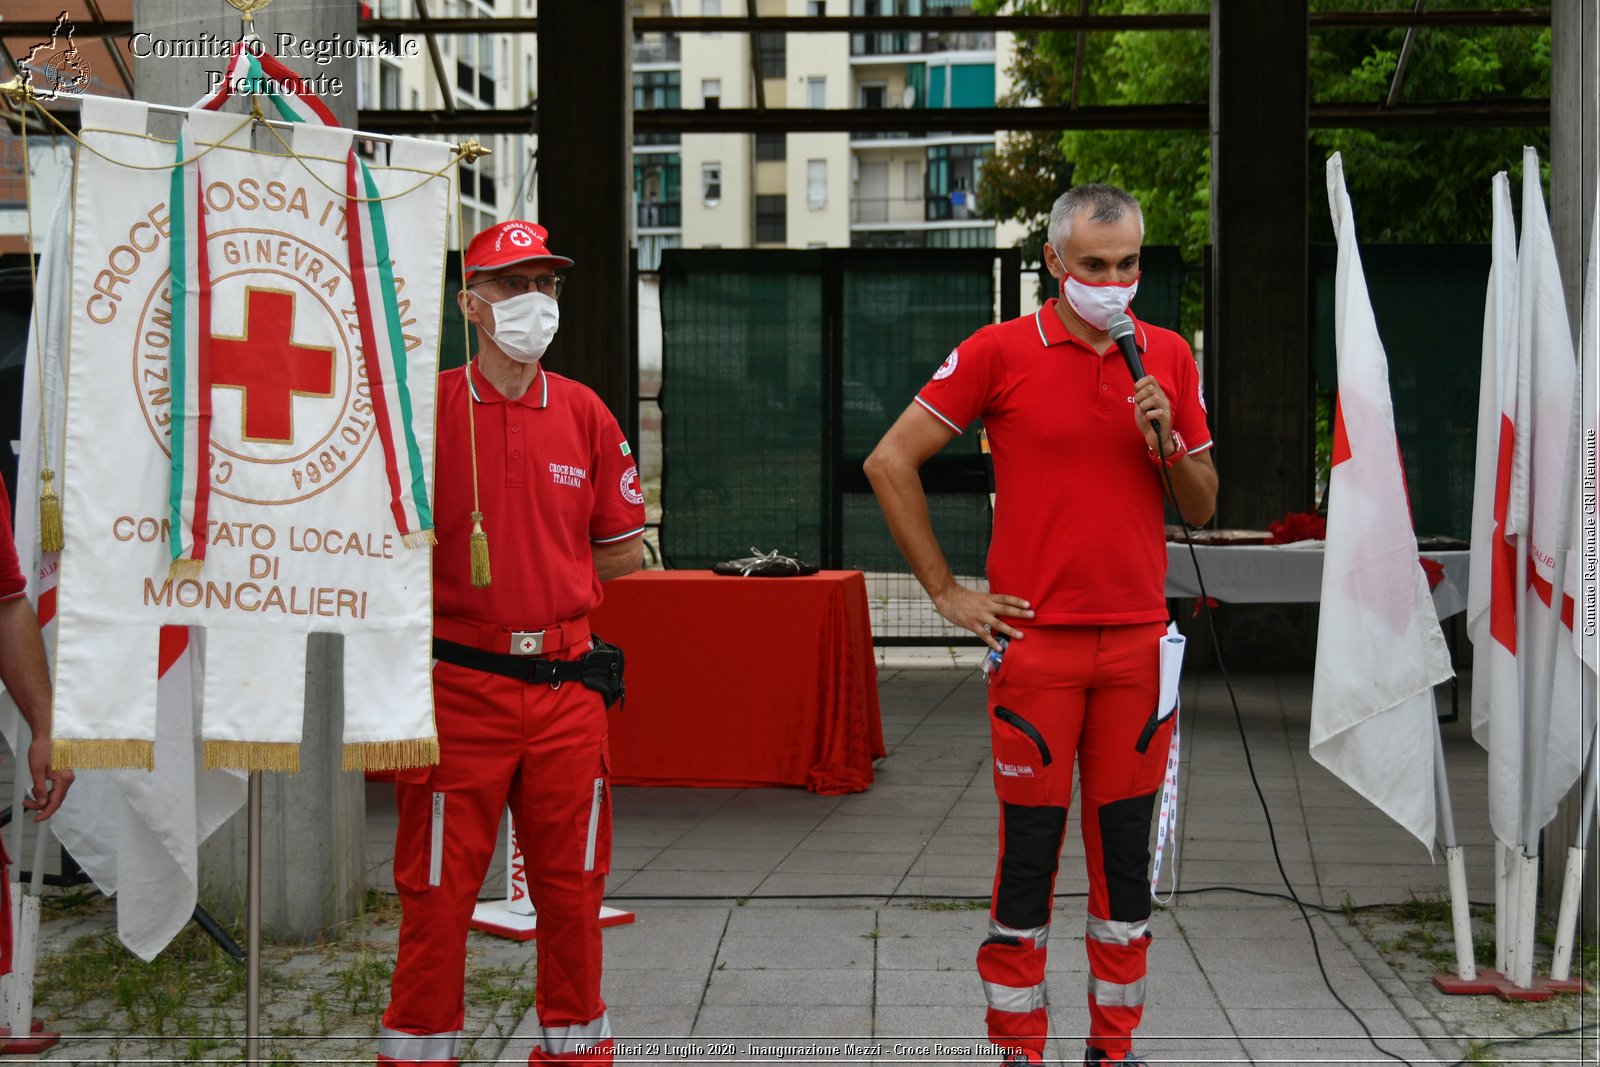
1413, 185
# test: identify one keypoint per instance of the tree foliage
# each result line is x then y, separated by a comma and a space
1409, 185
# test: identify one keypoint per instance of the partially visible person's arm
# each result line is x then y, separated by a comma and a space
1194, 481
618, 558
27, 679
892, 469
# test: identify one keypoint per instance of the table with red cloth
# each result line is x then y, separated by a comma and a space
743, 681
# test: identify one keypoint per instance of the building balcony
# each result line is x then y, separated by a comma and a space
666, 215
918, 44
886, 211
656, 49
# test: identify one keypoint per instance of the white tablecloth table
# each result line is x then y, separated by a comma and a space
1283, 574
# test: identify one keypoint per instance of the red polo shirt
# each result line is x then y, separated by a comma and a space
12, 583
555, 476
1078, 521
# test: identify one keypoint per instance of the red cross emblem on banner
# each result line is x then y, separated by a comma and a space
269, 367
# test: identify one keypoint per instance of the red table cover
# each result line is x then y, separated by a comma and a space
743, 681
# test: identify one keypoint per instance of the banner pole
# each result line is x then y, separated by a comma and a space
252, 987
1517, 874
1567, 920
1460, 915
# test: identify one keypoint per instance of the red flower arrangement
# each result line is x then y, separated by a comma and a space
1298, 526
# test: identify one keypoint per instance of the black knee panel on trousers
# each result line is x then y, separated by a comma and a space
1028, 867
1125, 849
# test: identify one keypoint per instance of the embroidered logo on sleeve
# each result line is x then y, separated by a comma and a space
629, 486
948, 367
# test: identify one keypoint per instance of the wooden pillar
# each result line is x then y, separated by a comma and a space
1261, 414
586, 193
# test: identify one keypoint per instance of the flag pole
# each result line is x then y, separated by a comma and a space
1516, 872
1567, 920
252, 984
1460, 916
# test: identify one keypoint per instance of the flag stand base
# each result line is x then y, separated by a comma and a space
495, 917
1490, 981
37, 1041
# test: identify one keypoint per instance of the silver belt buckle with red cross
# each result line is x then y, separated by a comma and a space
527, 642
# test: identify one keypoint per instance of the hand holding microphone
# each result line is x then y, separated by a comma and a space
1149, 400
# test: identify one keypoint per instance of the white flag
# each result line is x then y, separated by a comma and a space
1492, 590
1380, 651
1540, 503
136, 834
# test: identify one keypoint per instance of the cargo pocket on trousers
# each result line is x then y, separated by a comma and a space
1022, 759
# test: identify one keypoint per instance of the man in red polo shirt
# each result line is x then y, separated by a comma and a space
1077, 569
27, 679
533, 466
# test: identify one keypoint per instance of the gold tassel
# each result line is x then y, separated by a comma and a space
419, 538
391, 755
184, 570
50, 536
103, 755
253, 756
480, 552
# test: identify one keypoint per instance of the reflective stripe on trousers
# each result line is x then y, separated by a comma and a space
1112, 932
1113, 995
397, 1046
580, 1037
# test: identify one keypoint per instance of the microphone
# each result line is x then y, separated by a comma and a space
1120, 329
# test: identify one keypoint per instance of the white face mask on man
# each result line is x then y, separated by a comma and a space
524, 325
1097, 303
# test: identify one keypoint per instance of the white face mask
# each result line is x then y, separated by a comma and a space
1095, 304
525, 325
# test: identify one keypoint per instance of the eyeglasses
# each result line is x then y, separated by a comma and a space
517, 284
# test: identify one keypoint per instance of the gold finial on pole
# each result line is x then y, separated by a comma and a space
471, 149
248, 9
18, 90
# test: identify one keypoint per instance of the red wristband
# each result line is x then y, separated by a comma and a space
1177, 453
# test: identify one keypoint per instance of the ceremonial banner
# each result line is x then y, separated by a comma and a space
1380, 651
246, 449
136, 834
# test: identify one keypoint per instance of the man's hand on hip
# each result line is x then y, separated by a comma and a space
982, 612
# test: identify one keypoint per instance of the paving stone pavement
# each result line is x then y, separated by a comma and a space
773, 925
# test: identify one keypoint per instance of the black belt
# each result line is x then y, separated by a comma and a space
523, 668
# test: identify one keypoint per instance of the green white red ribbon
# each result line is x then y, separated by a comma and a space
190, 486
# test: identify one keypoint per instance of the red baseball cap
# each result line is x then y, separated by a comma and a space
513, 241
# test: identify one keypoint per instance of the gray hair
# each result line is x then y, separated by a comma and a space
1105, 203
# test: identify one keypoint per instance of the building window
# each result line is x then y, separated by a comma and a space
657, 197
913, 180
656, 89
711, 183
874, 95
770, 146
817, 93
711, 93
772, 219
816, 7
711, 8
772, 48
388, 86
953, 181
816, 184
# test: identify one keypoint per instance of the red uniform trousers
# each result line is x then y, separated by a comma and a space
1065, 692
543, 750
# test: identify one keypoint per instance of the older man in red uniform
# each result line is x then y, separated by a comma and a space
534, 466
1077, 566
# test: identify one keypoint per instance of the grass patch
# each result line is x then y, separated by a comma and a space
974, 904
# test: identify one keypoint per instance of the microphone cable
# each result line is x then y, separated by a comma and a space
1244, 742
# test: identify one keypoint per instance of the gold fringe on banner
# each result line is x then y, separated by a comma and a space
253, 756
185, 570
391, 755
419, 538
50, 536
85, 754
